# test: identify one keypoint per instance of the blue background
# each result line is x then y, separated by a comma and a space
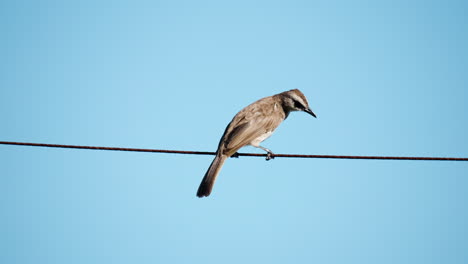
383, 77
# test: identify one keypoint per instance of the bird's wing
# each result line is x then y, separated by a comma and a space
246, 130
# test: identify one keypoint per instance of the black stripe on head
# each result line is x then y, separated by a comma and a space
299, 97
298, 105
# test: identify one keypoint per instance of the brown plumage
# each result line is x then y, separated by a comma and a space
251, 126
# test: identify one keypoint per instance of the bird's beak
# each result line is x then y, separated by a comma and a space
309, 111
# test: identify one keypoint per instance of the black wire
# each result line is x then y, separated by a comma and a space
236, 155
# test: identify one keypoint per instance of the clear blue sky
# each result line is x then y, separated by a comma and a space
383, 77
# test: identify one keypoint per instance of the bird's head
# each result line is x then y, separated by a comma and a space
295, 100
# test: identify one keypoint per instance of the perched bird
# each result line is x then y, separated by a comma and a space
251, 126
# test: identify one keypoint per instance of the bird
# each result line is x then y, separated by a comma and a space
250, 126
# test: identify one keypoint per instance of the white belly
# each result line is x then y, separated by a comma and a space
256, 142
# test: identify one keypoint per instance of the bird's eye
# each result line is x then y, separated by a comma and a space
298, 105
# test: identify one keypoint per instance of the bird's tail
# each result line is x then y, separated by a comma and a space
208, 181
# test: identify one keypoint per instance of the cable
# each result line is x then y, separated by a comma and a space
237, 155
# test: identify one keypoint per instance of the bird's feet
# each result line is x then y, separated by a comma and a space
235, 155
270, 155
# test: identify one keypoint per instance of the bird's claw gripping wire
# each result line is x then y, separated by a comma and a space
270, 155
235, 155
